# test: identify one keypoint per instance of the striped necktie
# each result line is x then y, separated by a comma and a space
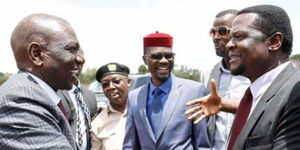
81, 106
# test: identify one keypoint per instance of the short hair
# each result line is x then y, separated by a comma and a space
273, 19
227, 11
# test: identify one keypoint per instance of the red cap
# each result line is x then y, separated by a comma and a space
158, 39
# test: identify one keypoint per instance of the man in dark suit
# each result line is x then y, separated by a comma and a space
47, 54
155, 117
259, 48
79, 120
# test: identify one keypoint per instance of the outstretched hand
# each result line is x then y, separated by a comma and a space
205, 106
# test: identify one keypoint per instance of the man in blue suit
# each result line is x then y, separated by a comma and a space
155, 118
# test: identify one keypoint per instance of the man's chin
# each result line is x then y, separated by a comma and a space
163, 77
237, 70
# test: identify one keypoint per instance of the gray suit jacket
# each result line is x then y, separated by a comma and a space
176, 132
211, 123
29, 119
275, 121
88, 98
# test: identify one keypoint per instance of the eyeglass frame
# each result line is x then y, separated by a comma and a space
214, 31
161, 55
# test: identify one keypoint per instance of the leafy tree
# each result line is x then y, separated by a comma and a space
143, 69
88, 76
187, 73
295, 57
4, 77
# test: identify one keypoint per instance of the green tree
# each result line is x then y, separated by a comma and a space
187, 73
88, 76
4, 77
295, 57
143, 69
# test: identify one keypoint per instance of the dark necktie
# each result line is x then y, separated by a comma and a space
157, 111
61, 107
81, 106
240, 118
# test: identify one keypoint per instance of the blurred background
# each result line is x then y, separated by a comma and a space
112, 30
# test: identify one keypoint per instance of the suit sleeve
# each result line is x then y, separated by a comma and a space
287, 134
29, 126
200, 135
131, 141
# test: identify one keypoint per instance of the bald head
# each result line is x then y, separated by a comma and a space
35, 28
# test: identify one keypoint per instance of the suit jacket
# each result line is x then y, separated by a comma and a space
29, 119
275, 121
211, 123
90, 101
176, 132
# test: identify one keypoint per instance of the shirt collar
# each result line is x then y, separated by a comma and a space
53, 96
110, 109
74, 87
260, 85
223, 69
165, 87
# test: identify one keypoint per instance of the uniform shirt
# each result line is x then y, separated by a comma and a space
108, 130
230, 87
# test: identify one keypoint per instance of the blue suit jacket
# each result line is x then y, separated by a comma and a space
176, 132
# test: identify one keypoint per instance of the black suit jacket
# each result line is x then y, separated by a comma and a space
275, 121
88, 98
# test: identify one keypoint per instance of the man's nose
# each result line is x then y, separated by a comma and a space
230, 45
80, 59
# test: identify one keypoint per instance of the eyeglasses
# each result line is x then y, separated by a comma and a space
158, 56
222, 31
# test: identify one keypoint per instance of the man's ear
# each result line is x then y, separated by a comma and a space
144, 59
35, 53
129, 82
275, 41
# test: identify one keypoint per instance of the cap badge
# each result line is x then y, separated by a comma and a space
112, 67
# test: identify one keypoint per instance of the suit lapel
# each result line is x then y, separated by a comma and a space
141, 106
170, 105
260, 107
211, 124
215, 74
86, 98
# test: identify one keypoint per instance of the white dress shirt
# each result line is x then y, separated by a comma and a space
230, 87
261, 84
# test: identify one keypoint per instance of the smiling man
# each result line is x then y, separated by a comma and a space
46, 51
155, 117
108, 128
80, 106
231, 87
268, 115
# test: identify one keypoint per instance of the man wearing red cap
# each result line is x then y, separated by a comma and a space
155, 114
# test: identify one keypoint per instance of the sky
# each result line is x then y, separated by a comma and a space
113, 30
